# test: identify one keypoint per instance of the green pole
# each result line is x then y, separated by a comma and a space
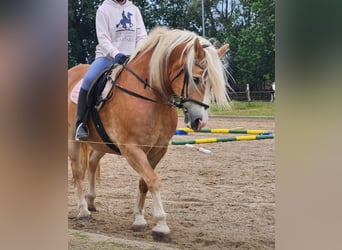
222, 139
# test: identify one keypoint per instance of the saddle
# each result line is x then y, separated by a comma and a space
99, 92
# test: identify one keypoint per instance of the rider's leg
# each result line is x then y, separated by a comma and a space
94, 70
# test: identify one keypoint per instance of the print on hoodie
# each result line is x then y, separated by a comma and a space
125, 22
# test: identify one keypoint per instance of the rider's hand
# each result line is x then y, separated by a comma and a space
120, 58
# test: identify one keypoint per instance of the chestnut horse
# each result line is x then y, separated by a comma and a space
182, 70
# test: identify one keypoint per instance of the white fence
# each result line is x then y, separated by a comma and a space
255, 96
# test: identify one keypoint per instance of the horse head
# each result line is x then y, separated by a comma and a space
188, 68
196, 87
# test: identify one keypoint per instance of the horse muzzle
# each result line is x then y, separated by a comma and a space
196, 115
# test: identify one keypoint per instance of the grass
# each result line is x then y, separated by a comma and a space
81, 241
253, 108
112, 246
80, 236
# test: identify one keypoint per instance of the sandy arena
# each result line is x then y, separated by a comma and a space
220, 201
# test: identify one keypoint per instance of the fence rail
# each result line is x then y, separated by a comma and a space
255, 96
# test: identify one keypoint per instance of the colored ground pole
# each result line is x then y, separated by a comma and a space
223, 139
226, 131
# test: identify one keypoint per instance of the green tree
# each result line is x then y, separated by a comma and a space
253, 43
81, 31
172, 13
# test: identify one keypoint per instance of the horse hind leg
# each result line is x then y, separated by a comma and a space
77, 172
94, 158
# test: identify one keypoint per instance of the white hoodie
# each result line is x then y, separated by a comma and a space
119, 28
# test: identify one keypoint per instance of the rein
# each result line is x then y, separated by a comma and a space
170, 102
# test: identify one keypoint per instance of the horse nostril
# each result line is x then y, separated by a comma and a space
195, 124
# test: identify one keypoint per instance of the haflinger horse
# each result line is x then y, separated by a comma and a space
182, 70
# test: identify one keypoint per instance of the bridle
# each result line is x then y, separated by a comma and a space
183, 98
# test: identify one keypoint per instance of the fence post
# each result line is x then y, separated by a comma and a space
248, 93
273, 92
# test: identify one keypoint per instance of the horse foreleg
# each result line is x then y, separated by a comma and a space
77, 172
138, 160
94, 159
161, 231
140, 223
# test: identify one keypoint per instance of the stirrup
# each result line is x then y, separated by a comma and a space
81, 132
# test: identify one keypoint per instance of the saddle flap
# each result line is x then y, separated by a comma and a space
97, 87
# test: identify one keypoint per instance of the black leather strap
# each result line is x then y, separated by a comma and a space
102, 132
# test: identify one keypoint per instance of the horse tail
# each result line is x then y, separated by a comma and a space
84, 158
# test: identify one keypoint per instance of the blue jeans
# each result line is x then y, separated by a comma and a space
94, 70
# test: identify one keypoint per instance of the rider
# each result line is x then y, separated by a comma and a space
115, 44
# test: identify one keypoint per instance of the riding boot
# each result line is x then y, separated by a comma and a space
82, 116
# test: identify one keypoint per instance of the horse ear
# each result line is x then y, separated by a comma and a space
199, 51
221, 51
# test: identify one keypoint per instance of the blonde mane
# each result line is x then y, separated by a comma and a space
163, 41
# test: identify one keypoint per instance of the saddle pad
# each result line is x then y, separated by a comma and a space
75, 91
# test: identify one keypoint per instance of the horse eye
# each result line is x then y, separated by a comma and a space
197, 80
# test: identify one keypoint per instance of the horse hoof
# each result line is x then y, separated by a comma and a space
90, 202
139, 228
92, 208
161, 237
84, 215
